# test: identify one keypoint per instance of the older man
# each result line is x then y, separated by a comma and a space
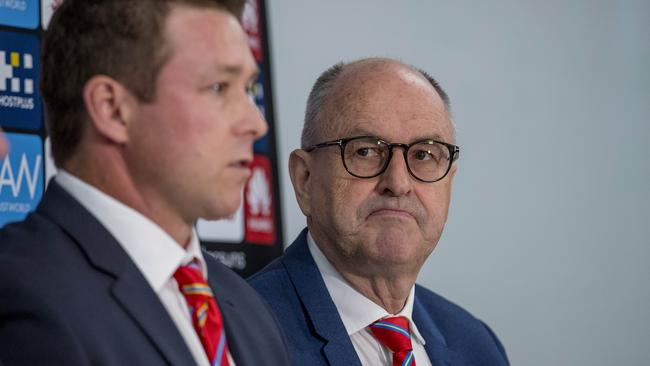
152, 127
373, 178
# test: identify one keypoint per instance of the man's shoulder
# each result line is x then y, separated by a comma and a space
438, 304
461, 330
272, 272
273, 283
447, 315
275, 277
30, 239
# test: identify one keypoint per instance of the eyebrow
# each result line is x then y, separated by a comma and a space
238, 70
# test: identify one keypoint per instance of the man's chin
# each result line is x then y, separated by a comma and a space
224, 210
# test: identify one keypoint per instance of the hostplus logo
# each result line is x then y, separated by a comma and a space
16, 85
21, 177
19, 99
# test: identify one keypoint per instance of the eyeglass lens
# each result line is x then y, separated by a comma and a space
367, 157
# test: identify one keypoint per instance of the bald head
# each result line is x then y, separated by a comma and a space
385, 142
345, 87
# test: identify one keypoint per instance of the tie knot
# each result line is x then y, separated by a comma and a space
191, 281
394, 333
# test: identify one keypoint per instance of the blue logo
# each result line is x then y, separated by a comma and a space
21, 177
20, 102
19, 13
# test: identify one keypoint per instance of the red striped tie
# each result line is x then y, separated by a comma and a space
206, 316
394, 334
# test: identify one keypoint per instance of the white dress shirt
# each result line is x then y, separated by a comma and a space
358, 312
152, 250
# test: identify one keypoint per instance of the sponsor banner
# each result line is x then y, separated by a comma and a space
261, 145
251, 24
258, 203
21, 177
258, 94
20, 102
19, 13
234, 260
227, 230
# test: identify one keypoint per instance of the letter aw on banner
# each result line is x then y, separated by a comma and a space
21, 177
259, 207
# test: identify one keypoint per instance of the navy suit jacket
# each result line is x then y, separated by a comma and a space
70, 295
295, 290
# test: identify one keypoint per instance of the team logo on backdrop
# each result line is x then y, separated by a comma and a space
20, 104
258, 203
21, 177
19, 13
251, 24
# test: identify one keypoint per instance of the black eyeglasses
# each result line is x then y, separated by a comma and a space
368, 156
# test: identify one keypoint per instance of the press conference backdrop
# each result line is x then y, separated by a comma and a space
245, 242
548, 237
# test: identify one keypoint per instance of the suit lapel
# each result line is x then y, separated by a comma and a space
130, 288
436, 347
318, 304
136, 296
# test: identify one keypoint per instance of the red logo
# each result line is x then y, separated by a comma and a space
251, 23
258, 203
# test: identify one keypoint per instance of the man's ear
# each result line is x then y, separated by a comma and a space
109, 105
299, 171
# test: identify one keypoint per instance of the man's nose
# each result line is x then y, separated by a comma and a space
253, 121
396, 179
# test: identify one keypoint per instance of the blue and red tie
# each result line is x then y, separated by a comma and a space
206, 316
394, 333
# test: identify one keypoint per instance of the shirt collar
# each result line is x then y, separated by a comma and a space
156, 254
356, 311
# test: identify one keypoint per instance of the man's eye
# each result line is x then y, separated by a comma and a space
250, 91
423, 155
220, 87
367, 152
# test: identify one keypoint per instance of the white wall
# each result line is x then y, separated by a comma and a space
548, 238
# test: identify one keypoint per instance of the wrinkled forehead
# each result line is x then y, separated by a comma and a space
388, 100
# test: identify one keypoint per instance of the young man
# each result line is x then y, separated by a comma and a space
152, 127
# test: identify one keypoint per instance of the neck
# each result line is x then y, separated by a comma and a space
109, 174
387, 285
390, 293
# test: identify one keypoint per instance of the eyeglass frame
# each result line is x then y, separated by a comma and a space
454, 152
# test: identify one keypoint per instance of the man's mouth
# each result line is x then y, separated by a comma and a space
391, 212
243, 163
